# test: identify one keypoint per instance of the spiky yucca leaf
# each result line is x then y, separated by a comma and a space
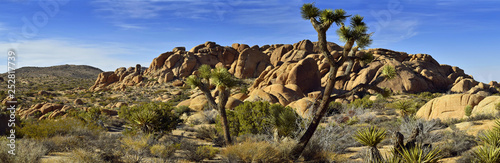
491, 137
418, 155
193, 81
204, 71
326, 16
487, 154
222, 78
357, 20
145, 119
389, 72
309, 11
370, 136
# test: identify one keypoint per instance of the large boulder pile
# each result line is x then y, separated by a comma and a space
119, 79
44, 111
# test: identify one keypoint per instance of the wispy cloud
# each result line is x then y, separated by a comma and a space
49, 52
394, 31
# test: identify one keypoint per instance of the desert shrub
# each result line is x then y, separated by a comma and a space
179, 110
164, 151
407, 108
428, 95
261, 117
64, 126
457, 142
367, 58
364, 102
250, 151
331, 139
426, 126
198, 153
468, 110
207, 133
27, 151
151, 117
136, 147
82, 155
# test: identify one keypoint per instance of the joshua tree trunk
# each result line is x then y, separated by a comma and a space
223, 96
320, 113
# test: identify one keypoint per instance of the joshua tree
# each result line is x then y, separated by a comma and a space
223, 81
356, 33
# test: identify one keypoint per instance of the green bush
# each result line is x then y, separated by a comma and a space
468, 110
64, 126
364, 102
151, 117
261, 117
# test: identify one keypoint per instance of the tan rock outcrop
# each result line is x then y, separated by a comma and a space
448, 106
487, 106
250, 63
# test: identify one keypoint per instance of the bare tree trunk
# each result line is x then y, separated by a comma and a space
223, 96
374, 155
323, 107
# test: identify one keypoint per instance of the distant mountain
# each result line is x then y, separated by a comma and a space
68, 71
61, 77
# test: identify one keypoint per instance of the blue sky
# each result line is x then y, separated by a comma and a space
121, 33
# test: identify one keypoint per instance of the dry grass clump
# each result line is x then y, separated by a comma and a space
27, 151
253, 152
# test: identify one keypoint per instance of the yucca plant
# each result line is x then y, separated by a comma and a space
405, 107
418, 154
389, 71
487, 154
371, 137
491, 137
145, 119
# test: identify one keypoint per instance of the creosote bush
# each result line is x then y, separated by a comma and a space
262, 118
64, 126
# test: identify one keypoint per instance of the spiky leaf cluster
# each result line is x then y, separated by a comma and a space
389, 72
219, 76
325, 17
419, 154
370, 136
355, 32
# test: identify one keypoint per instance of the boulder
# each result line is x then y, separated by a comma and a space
278, 53
487, 106
50, 107
305, 75
78, 101
250, 64
198, 103
240, 96
283, 94
259, 94
232, 103
448, 106
305, 45
463, 85
302, 106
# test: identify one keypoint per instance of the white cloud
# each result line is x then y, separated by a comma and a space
393, 31
50, 52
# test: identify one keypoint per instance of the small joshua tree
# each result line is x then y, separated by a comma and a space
223, 81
